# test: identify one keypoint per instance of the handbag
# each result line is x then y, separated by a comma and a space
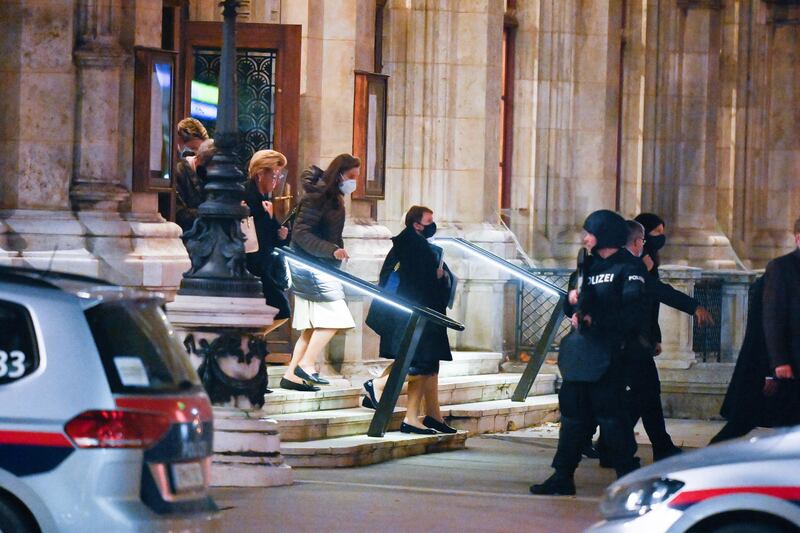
248, 227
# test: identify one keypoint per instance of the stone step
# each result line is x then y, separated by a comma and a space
247, 451
502, 415
476, 417
314, 425
361, 450
452, 390
463, 364
471, 363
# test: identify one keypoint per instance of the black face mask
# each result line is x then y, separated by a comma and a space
655, 243
429, 230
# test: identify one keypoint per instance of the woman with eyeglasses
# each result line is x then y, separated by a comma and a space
319, 307
264, 170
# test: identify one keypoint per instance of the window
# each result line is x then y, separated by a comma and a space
369, 133
140, 353
19, 355
153, 116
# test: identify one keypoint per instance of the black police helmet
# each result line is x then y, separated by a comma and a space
608, 227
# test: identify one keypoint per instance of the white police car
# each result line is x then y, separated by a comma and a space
750, 485
104, 425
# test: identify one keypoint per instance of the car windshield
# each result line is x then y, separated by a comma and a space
140, 351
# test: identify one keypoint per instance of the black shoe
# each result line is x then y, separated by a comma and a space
366, 402
268, 391
370, 388
555, 485
663, 453
302, 387
441, 427
589, 451
408, 428
313, 378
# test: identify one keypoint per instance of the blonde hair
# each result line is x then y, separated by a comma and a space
191, 128
264, 159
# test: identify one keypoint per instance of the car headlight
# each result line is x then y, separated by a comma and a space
636, 499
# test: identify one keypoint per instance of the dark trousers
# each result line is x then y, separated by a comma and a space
643, 400
582, 404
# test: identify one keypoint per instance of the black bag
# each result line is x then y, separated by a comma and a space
583, 357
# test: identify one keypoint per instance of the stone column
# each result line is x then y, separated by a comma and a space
676, 326
566, 116
98, 179
685, 122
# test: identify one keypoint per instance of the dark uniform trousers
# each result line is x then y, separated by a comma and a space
584, 403
643, 399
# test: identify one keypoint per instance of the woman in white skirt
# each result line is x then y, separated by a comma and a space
319, 307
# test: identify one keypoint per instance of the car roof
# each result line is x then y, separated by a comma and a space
63, 281
89, 290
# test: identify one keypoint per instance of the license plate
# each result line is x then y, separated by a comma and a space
187, 477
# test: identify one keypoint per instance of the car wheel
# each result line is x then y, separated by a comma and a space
749, 527
14, 518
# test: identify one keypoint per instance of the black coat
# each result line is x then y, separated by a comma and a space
782, 311
266, 226
418, 285
317, 233
745, 402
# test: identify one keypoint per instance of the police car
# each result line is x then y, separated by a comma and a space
104, 425
750, 485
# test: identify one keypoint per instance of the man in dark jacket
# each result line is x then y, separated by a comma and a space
782, 328
609, 309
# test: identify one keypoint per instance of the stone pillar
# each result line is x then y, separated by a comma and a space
566, 115
735, 301
676, 326
685, 161
767, 194
98, 179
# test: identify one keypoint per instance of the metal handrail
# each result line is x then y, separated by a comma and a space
505, 264
374, 290
419, 319
550, 330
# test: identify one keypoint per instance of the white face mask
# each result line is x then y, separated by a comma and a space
347, 187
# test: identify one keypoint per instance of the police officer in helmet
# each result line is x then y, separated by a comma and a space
607, 311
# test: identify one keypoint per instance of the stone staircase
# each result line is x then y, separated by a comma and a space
328, 428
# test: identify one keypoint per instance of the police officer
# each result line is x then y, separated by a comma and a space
608, 310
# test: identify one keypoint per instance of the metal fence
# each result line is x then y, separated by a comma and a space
707, 340
534, 307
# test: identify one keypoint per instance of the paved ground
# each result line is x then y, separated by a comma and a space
482, 488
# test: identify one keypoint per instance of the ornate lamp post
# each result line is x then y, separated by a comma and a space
215, 244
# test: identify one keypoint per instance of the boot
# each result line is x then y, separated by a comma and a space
663, 453
559, 484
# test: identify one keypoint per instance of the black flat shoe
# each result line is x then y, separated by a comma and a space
408, 428
319, 380
370, 388
313, 378
441, 427
555, 485
302, 387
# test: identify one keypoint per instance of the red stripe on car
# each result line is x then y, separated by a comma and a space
179, 409
685, 499
34, 438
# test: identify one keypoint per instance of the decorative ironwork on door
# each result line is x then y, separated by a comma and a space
256, 93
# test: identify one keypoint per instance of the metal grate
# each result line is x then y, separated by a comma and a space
534, 307
255, 72
708, 339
